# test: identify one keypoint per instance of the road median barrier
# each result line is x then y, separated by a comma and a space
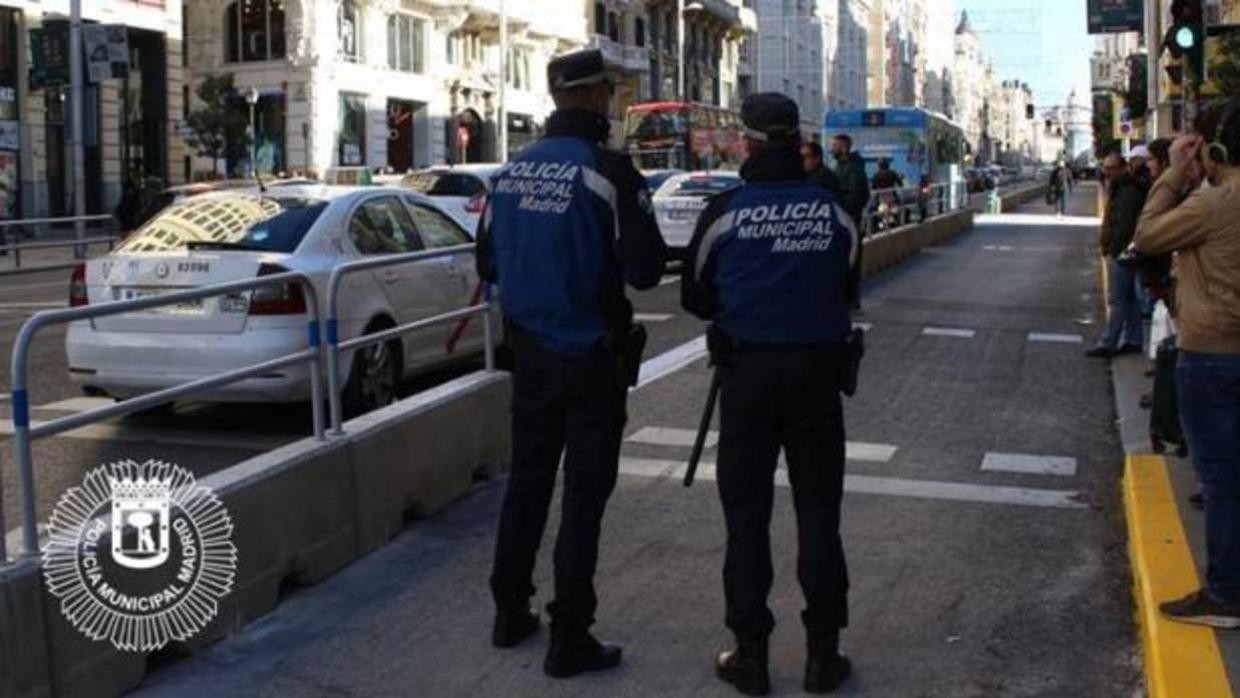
299, 514
889, 248
1013, 200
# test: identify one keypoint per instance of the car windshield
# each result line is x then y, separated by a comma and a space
443, 184
701, 186
232, 221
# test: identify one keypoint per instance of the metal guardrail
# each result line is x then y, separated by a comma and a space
18, 248
889, 209
335, 346
24, 434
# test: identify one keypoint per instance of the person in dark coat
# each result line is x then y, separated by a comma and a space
1124, 332
850, 171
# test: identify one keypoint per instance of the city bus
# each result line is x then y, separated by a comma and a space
684, 136
924, 147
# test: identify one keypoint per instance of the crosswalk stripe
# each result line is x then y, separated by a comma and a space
949, 332
78, 404
652, 317
887, 486
1030, 464
684, 438
671, 361
1056, 338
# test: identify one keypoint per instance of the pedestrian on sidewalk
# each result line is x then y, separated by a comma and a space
568, 222
780, 324
850, 171
1057, 188
1202, 227
1124, 330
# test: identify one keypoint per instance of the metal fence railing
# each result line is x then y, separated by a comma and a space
17, 248
335, 347
24, 433
889, 209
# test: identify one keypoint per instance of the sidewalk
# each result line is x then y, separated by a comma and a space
1167, 549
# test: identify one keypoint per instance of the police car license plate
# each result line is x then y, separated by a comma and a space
683, 214
192, 307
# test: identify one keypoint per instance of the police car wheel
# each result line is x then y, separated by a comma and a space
373, 379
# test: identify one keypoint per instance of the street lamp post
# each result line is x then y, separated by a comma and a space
251, 98
681, 10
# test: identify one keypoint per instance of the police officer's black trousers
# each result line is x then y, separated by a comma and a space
790, 399
570, 405
854, 275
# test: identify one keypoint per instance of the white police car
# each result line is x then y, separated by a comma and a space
680, 200
243, 234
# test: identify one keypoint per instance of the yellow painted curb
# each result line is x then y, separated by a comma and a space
1180, 659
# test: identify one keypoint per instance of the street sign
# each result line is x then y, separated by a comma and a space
1108, 16
49, 55
107, 51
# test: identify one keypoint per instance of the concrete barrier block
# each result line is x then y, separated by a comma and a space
293, 523
85, 668
414, 457
24, 661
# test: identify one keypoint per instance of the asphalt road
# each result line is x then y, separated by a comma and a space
982, 520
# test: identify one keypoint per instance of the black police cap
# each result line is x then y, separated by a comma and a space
770, 116
577, 69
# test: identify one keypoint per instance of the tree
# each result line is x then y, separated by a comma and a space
219, 126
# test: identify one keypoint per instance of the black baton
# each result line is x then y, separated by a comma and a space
700, 442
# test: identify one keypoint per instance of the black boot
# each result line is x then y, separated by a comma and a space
511, 628
746, 667
825, 667
575, 653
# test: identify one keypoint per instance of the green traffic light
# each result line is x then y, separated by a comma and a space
1185, 38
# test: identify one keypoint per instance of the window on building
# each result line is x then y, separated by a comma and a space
349, 31
600, 18
406, 39
254, 31
613, 26
639, 32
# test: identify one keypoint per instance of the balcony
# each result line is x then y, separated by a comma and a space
627, 58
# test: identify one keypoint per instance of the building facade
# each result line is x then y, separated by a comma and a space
129, 134
797, 50
940, 55
395, 84
714, 32
848, 86
621, 30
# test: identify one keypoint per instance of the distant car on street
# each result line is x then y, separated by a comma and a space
243, 234
461, 190
680, 200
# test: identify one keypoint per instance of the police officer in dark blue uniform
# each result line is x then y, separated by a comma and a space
568, 223
768, 265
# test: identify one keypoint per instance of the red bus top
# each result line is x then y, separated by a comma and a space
659, 106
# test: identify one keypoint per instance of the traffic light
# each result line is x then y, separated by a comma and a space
1186, 37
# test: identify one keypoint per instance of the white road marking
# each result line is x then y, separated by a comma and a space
669, 280
174, 437
1030, 464
662, 436
867, 326
78, 404
948, 332
31, 306
5, 397
1056, 338
889, 486
998, 248
671, 361
652, 317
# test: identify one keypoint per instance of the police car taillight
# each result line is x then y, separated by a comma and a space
277, 299
476, 203
77, 287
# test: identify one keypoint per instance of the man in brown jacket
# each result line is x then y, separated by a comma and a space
1202, 226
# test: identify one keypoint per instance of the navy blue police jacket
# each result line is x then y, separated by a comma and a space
769, 260
567, 223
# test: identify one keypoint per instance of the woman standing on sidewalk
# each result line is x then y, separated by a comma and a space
1203, 227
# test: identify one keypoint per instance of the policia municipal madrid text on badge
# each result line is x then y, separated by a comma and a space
569, 223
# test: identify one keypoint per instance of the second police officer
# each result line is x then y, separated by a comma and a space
567, 224
768, 265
